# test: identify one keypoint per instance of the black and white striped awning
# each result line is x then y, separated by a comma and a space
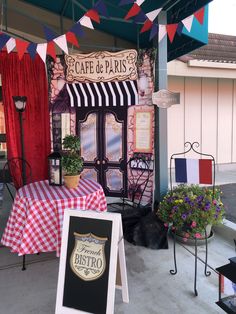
103, 94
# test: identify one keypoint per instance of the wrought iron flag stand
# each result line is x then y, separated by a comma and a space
192, 147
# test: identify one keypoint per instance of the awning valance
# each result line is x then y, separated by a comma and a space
103, 94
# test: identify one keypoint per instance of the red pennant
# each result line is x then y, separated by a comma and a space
93, 14
133, 11
51, 49
71, 38
146, 26
171, 30
21, 47
200, 15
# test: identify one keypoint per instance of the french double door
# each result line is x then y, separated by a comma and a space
103, 134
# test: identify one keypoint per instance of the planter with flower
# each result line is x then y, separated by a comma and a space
189, 209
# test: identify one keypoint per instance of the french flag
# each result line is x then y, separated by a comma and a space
194, 171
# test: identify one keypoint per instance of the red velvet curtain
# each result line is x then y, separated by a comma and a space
27, 78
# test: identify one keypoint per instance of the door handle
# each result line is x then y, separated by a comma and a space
103, 162
98, 162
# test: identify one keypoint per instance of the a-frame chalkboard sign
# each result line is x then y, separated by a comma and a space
92, 263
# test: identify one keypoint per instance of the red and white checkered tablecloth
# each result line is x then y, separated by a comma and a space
35, 222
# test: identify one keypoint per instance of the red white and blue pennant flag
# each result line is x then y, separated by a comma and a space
139, 16
52, 38
194, 171
93, 15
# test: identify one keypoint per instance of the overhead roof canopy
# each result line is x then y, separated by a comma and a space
176, 10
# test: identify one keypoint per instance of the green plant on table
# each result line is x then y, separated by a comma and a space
190, 208
72, 163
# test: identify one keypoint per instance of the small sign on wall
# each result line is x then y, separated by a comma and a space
91, 244
165, 98
143, 125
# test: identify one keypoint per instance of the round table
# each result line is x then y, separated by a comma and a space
36, 218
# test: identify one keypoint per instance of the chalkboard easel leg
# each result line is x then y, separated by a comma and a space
23, 263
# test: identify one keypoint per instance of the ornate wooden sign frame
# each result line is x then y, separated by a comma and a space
102, 66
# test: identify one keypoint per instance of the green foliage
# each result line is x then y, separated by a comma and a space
72, 163
71, 142
191, 209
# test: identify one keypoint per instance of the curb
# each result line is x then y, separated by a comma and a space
227, 231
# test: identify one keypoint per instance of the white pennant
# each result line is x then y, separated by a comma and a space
42, 51
153, 14
86, 21
62, 43
188, 22
139, 2
162, 32
11, 44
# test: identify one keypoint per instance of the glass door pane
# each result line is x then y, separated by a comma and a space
113, 137
114, 153
88, 137
89, 147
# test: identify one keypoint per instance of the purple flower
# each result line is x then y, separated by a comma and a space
184, 216
199, 198
175, 208
207, 206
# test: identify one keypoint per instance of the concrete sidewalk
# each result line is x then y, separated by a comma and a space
152, 289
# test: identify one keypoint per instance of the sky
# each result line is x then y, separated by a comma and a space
222, 17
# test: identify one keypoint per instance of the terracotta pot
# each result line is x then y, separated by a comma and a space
71, 182
191, 241
208, 232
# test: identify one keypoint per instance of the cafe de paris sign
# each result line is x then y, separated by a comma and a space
165, 98
102, 66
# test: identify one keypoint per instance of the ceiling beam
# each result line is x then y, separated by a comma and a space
64, 7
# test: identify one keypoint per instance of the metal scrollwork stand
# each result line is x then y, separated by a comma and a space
192, 147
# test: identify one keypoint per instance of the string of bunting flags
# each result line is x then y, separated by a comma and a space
52, 38
93, 15
147, 19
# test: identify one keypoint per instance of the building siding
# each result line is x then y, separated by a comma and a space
206, 114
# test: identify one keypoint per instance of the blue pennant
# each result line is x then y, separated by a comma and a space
154, 31
140, 18
123, 2
49, 34
179, 28
101, 8
3, 40
77, 29
32, 49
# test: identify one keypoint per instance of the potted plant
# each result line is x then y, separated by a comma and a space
190, 209
72, 163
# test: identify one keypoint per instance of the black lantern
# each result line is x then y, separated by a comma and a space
54, 169
228, 301
20, 103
